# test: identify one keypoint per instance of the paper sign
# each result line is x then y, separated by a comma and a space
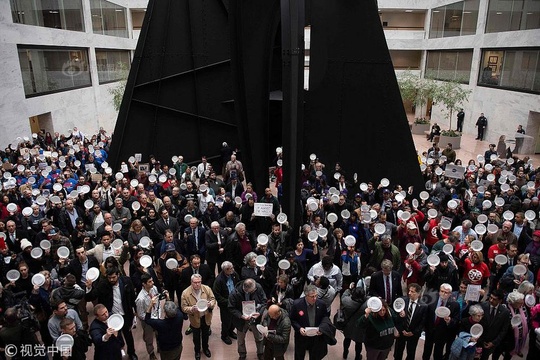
248, 308
454, 171
263, 209
47, 154
473, 292
138, 157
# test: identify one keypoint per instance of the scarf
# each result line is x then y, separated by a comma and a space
520, 331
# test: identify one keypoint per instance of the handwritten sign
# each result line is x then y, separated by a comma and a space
263, 209
473, 292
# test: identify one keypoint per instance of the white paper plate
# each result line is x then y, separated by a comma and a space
92, 274
36, 253
11, 207
519, 270
415, 203
490, 177
442, 311
477, 330
432, 213
363, 186
27, 211
117, 227
262, 239
282, 218
334, 198
508, 215
312, 157
374, 303
117, 244
530, 215
399, 305
88, 204
284, 264
313, 236
57, 187
501, 259
438, 171
13, 275
313, 206
115, 322
480, 229
452, 204
380, 228
410, 248
385, 182
312, 331
448, 249
350, 240
62, 252
399, 198
260, 260
145, 261
405, 216
337, 176
45, 244
515, 321
64, 342
318, 271
492, 228
480, 158
505, 187
187, 218
202, 305
238, 200
482, 218
433, 260
332, 217
38, 279
145, 242
134, 183
262, 329
477, 245
424, 195
171, 264
445, 224
55, 199
323, 232
345, 214
530, 300
136, 205
85, 189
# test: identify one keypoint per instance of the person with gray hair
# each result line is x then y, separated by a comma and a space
516, 337
309, 312
246, 303
215, 240
465, 230
238, 245
224, 285
380, 247
169, 330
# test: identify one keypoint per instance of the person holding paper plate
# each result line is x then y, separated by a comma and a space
108, 342
198, 302
412, 317
470, 326
378, 323
276, 327
520, 323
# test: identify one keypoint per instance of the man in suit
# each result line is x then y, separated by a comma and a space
308, 312
78, 268
196, 267
14, 237
108, 342
68, 217
118, 295
166, 223
102, 251
194, 239
223, 285
495, 322
440, 332
522, 230
215, 243
413, 317
386, 283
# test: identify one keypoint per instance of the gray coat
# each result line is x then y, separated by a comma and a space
279, 340
352, 311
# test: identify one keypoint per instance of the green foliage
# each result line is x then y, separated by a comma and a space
421, 121
415, 89
450, 133
117, 91
451, 95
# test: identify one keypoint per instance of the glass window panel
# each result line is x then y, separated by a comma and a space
112, 65
108, 18
515, 18
499, 15
531, 18
452, 19
437, 23
449, 65
46, 70
470, 17
432, 64
57, 14
463, 67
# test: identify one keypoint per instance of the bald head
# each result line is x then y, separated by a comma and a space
274, 311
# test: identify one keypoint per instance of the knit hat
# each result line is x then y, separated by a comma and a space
25, 243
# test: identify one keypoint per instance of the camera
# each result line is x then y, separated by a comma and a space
162, 295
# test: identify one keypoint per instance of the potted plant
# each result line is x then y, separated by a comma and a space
450, 136
417, 91
420, 126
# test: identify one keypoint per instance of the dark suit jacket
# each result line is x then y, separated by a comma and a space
299, 314
74, 267
204, 270
377, 286
103, 292
417, 321
494, 328
19, 235
189, 238
108, 350
161, 226
65, 222
211, 245
440, 330
524, 238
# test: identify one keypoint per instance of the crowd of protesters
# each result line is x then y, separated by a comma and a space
158, 244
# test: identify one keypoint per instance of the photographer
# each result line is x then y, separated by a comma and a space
169, 330
143, 301
18, 331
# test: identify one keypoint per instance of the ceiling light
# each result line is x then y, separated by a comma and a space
409, 11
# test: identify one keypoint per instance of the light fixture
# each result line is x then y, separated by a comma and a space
436, 11
499, 13
408, 11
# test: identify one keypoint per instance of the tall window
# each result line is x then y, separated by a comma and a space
514, 69
58, 14
49, 70
454, 19
112, 65
511, 15
449, 65
108, 18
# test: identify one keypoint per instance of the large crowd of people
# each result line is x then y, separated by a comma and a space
158, 244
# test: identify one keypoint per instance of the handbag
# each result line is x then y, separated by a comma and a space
339, 320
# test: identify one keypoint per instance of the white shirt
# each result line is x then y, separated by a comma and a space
117, 307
